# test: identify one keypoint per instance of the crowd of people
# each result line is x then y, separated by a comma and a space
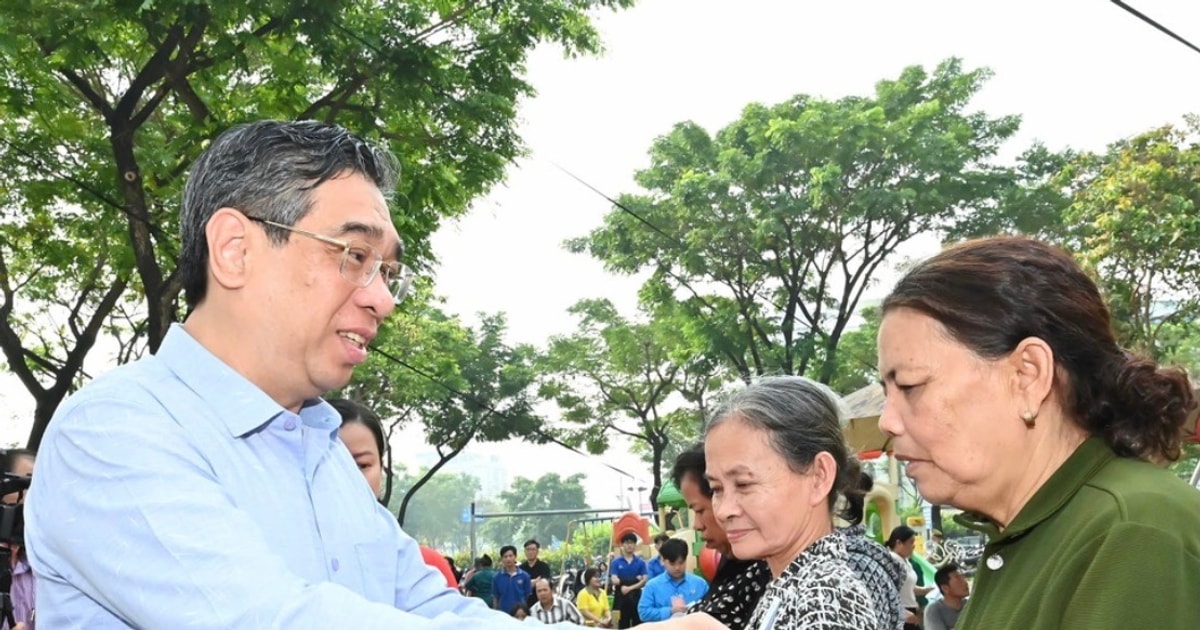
211, 486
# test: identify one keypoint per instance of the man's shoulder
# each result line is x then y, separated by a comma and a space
145, 385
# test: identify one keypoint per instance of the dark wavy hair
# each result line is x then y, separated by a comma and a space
990, 294
691, 463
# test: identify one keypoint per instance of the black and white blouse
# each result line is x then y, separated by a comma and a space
817, 591
734, 591
880, 573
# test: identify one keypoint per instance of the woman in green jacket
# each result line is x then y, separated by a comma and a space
1009, 397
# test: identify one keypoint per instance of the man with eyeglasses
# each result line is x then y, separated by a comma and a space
205, 487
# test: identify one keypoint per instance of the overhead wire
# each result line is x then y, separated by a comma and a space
1152, 22
474, 400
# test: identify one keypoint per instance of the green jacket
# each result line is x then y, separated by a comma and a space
1107, 543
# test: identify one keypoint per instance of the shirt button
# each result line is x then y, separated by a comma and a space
290, 424
334, 563
994, 562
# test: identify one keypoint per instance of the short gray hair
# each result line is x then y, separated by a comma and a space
801, 418
268, 170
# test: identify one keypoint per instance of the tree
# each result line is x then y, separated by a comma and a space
1033, 202
436, 515
548, 492
771, 230
104, 105
1136, 217
617, 377
858, 355
478, 389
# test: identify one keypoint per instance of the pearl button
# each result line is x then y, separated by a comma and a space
290, 424
994, 562
334, 563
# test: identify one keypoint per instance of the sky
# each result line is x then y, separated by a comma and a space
1081, 73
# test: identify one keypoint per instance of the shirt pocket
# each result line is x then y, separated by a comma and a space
379, 562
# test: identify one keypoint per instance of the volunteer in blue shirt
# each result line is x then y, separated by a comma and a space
672, 592
654, 567
628, 573
512, 585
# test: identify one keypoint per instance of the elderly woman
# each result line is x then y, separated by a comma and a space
1009, 397
777, 462
738, 584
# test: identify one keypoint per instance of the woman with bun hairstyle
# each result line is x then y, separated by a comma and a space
1010, 398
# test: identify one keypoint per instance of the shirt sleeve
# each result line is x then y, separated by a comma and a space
933, 621
127, 512
573, 614
1135, 558
651, 606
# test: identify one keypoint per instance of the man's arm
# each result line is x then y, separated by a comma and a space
933, 621
655, 604
573, 613
128, 513
702, 585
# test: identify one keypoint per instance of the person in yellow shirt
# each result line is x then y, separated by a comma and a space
592, 601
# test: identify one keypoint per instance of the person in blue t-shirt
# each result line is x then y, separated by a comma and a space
654, 568
511, 585
671, 593
628, 573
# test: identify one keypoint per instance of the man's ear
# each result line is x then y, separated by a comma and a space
226, 233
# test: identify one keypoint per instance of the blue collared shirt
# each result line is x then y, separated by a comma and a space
655, 568
173, 493
655, 604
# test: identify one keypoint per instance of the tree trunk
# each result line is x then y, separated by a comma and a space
445, 459
656, 467
159, 304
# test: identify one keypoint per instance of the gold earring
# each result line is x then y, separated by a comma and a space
1028, 417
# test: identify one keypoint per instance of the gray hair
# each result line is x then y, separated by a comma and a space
268, 170
801, 418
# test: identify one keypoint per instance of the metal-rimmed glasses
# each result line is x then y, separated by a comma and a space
360, 262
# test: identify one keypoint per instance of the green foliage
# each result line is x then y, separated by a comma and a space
464, 385
435, 518
772, 228
1179, 345
589, 540
620, 377
1136, 222
1032, 204
548, 492
104, 105
857, 355
1186, 465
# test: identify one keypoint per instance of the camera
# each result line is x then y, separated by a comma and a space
12, 522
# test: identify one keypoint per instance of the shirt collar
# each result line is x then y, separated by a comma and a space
1079, 468
239, 403
828, 547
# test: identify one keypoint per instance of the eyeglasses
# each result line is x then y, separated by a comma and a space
360, 262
